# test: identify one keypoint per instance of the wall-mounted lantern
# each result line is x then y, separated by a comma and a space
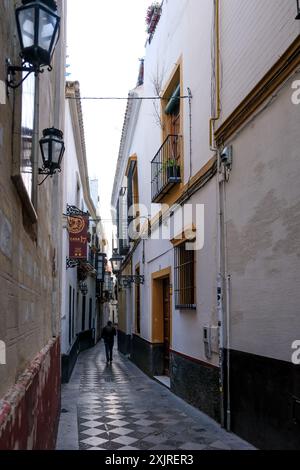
116, 262
124, 280
100, 264
83, 288
38, 31
108, 283
127, 280
52, 149
298, 10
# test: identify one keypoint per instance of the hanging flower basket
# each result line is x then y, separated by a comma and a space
153, 17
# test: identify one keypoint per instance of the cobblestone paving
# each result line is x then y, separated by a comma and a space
120, 408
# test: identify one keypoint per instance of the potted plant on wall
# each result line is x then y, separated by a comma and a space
172, 170
152, 17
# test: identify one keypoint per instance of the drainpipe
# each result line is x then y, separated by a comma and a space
221, 224
218, 73
220, 294
227, 293
228, 410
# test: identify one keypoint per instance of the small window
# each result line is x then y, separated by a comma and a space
27, 123
184, 265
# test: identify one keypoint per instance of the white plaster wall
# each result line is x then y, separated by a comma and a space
70, 175
187, 325
254, 34
184, 31
263, 226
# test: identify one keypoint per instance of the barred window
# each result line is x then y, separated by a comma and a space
184, 264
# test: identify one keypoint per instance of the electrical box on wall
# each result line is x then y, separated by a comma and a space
210, 340
226, 156
207, 341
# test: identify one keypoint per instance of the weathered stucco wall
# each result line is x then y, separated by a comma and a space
263, 231
254, 34
30, 409
30, 253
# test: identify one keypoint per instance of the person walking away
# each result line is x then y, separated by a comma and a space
108, 335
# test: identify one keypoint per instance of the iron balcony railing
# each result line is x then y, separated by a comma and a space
165, 167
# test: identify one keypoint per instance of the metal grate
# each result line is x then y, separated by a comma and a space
165, 167
184, 265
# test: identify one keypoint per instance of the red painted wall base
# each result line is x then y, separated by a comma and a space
29, 412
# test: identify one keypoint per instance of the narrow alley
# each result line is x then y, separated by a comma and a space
117, 407
150, 202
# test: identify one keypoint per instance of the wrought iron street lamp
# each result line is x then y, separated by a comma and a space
128, 279
83, 288
52, 149
100, 263
124, 280
116, 262
38, 30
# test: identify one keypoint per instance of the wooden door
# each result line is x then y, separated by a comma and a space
167, 329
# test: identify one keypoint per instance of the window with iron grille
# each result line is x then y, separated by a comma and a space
184, 265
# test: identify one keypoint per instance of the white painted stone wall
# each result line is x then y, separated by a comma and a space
254, 34
69, 277
263, 226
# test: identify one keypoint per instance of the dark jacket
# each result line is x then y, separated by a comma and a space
108, 334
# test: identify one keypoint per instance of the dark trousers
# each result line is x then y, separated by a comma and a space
109, 351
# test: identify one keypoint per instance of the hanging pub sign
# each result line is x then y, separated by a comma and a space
78, 235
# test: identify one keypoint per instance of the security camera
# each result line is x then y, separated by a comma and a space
226, 156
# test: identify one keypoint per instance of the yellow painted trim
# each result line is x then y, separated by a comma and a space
280, 72
132, 158
182, 237
195, 180
178, 65
162, 274
187, 187
199, 175
176, 191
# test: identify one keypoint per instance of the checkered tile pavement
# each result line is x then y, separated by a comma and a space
120, 408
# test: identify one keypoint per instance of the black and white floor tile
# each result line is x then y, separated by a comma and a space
120, 408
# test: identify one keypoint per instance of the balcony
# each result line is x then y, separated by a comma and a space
165, 168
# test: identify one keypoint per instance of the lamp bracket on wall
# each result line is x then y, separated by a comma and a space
72, 263
12, 70
132, 279
73, 211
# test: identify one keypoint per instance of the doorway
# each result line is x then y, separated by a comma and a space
161, 319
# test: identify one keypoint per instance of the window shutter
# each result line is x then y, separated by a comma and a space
173, 102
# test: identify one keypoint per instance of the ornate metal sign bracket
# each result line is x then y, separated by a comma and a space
72, 263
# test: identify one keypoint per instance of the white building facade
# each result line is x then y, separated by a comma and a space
162, 322
219, 321
81, 305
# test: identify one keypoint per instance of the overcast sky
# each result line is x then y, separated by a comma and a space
105, 40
